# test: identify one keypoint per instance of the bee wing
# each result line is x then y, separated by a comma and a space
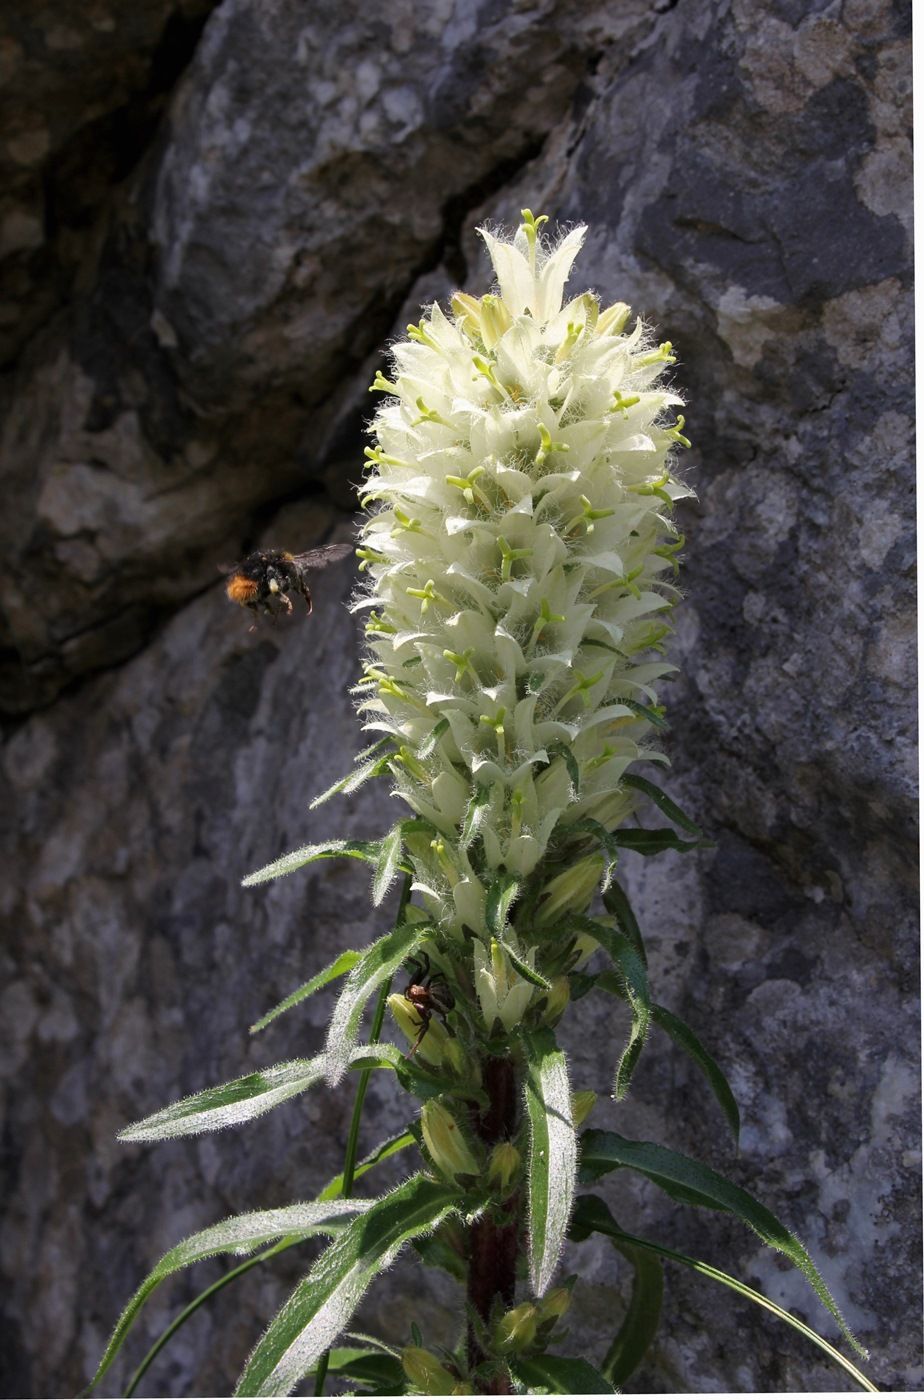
320, 558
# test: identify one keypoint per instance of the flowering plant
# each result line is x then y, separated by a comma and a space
519, 556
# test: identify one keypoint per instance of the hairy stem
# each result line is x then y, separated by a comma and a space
493, 1242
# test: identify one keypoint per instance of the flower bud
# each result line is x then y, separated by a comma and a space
436, 1040
461, 1064
571, 891
554, 1305
426, 1372
582, 1105
516, 1330
556, 1000
446, 1142
495, 320
612, 320
503, 1166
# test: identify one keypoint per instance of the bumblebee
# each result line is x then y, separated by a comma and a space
263, 581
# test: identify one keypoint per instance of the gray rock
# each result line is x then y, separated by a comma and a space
202, 358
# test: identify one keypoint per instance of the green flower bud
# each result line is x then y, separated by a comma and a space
556, 1000
503, 1166
447, 1143
516, 1330
570, 891
582, 1105
436, 1041
426, 1372
554, 1305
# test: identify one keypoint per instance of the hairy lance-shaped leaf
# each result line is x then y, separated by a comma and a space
371, 768
327, 850
338, 968
226, 1104
692, 1183
632, 980
552, 1166
240, 1235
399, 1143
661, 800
387, 864
378, 964
325, 1300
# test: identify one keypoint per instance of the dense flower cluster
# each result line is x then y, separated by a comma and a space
519, 553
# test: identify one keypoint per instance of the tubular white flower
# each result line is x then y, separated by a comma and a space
519, 556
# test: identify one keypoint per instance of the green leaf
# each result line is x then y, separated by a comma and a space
654, 717
387, 864
479, 802
559, 1375
650, 841
239, 1235
322, 1304
327, 850
371, 769
694, 1184
414, 1075
227, 1104
559, 749
338, 968
606, 839
633, 982
683, 1036
616, 902
370, 1367
552, 1155
334, 1189
529, 974
661, 800
500, 896
640, 1325
593, 1214
429, 744
378, 964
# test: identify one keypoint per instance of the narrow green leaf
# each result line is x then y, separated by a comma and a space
429, 744
387, 1149
654, 717
370, 1367
322, 1304
377, 964
327, 850
239, 1235
661, 800
695, 1184
559, 1375
683, 1036
500, 896
387, 864
479, 802
606, 839
370, 769
226, 1104
529, 974
640, 1324
552, 1155
593, 1214
616, 902
338, 968
650, 841
559, 749
633, 980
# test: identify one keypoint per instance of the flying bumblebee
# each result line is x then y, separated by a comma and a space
263, 581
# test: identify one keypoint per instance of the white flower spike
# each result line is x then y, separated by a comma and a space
519, 553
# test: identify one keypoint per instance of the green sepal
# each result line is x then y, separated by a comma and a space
338, 968
479, 801
692, 1183
529, 974
500, 896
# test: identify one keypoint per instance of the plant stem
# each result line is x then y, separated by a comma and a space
349, 1159
493, 1243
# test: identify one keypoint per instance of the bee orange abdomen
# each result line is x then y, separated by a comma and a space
240, 589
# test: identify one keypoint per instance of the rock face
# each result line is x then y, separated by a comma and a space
213, 218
